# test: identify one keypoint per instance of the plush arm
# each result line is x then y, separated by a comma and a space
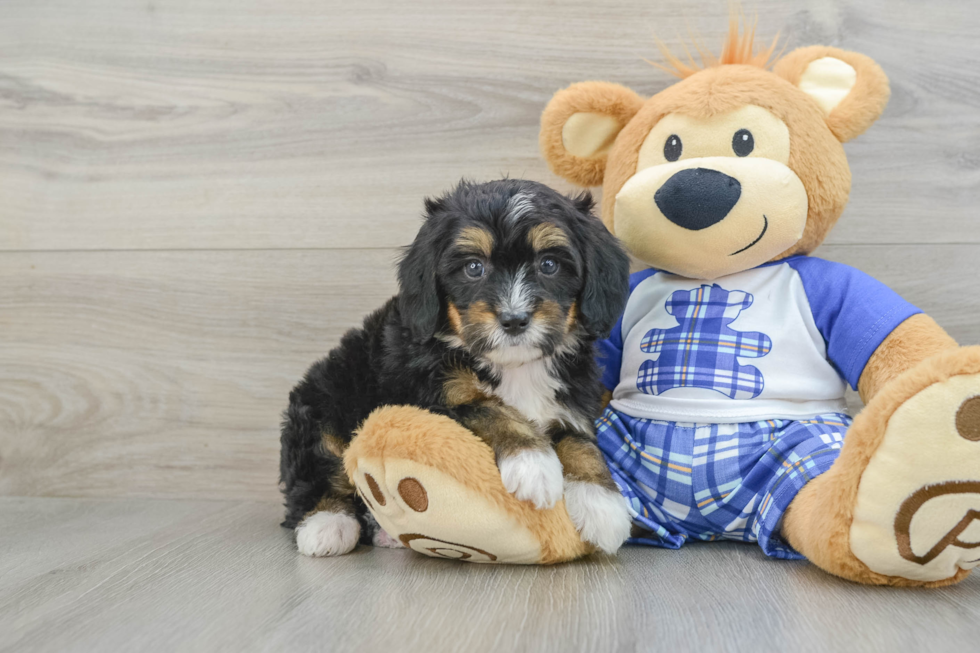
912, 341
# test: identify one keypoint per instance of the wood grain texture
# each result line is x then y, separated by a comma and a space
210, 576
198, 198
163, 374
177, 124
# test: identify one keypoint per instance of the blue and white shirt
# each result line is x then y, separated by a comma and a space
775, 342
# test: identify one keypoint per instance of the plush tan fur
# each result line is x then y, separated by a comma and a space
739, 48
913, 357
862, 106
585, 97
818, 521
912, 342
405, 432
816, 155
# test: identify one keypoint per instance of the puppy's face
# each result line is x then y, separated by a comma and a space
512, 262
511, 284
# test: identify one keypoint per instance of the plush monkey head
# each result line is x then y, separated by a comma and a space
733, 166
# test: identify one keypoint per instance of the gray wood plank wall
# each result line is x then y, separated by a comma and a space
198, 198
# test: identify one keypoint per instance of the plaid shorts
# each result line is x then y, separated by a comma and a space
716, 481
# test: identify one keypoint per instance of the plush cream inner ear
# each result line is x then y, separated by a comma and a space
828, 81
589, 135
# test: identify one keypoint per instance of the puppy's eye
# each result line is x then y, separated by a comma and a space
549, 266
474, 268
673, 147
743, 143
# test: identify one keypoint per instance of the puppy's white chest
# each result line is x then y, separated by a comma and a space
531, 389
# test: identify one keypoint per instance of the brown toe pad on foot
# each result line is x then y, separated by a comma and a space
435, 486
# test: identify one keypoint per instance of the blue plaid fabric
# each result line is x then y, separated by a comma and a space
702, 351
716, 481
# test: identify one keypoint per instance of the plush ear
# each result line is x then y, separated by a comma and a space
851, 88
579, 126
607, 272
418, 296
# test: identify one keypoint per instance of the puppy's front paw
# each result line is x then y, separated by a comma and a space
533, 475
327, 534
599, 514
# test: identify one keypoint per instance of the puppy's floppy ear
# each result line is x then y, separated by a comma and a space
579, 126
418, 295
607, 272
851, 88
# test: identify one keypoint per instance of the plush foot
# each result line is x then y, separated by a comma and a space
901, 506
436, 487
917, 514
599, 514
534, 476
327, 534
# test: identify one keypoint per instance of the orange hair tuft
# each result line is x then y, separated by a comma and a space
739, 48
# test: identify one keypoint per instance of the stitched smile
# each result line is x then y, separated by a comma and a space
764, 227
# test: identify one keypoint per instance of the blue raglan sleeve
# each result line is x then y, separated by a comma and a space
853, 311
609, 352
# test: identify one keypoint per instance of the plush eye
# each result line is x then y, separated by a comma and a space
473, 268
673, 147
743, 143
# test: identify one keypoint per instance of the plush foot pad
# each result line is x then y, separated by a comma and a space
917, 514
327, 534
434, 487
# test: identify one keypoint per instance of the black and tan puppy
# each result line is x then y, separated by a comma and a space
502, 295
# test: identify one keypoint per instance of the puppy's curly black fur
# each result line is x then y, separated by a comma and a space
501, 275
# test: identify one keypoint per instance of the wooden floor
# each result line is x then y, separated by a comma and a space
197, 197
168, 575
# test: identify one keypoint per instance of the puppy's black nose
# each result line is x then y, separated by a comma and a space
697, 198
514, 323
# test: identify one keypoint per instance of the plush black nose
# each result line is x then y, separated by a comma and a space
698, 198
514, 323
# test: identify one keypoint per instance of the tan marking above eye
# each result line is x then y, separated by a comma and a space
968, 419
412, 493
708, 137
547, 235
474, 240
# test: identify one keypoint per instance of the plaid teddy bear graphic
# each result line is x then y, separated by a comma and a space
703, 350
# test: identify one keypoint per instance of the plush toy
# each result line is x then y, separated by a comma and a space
728, 368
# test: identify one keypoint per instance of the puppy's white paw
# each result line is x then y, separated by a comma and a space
385, 541
600, 515
533, 475
327, 534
